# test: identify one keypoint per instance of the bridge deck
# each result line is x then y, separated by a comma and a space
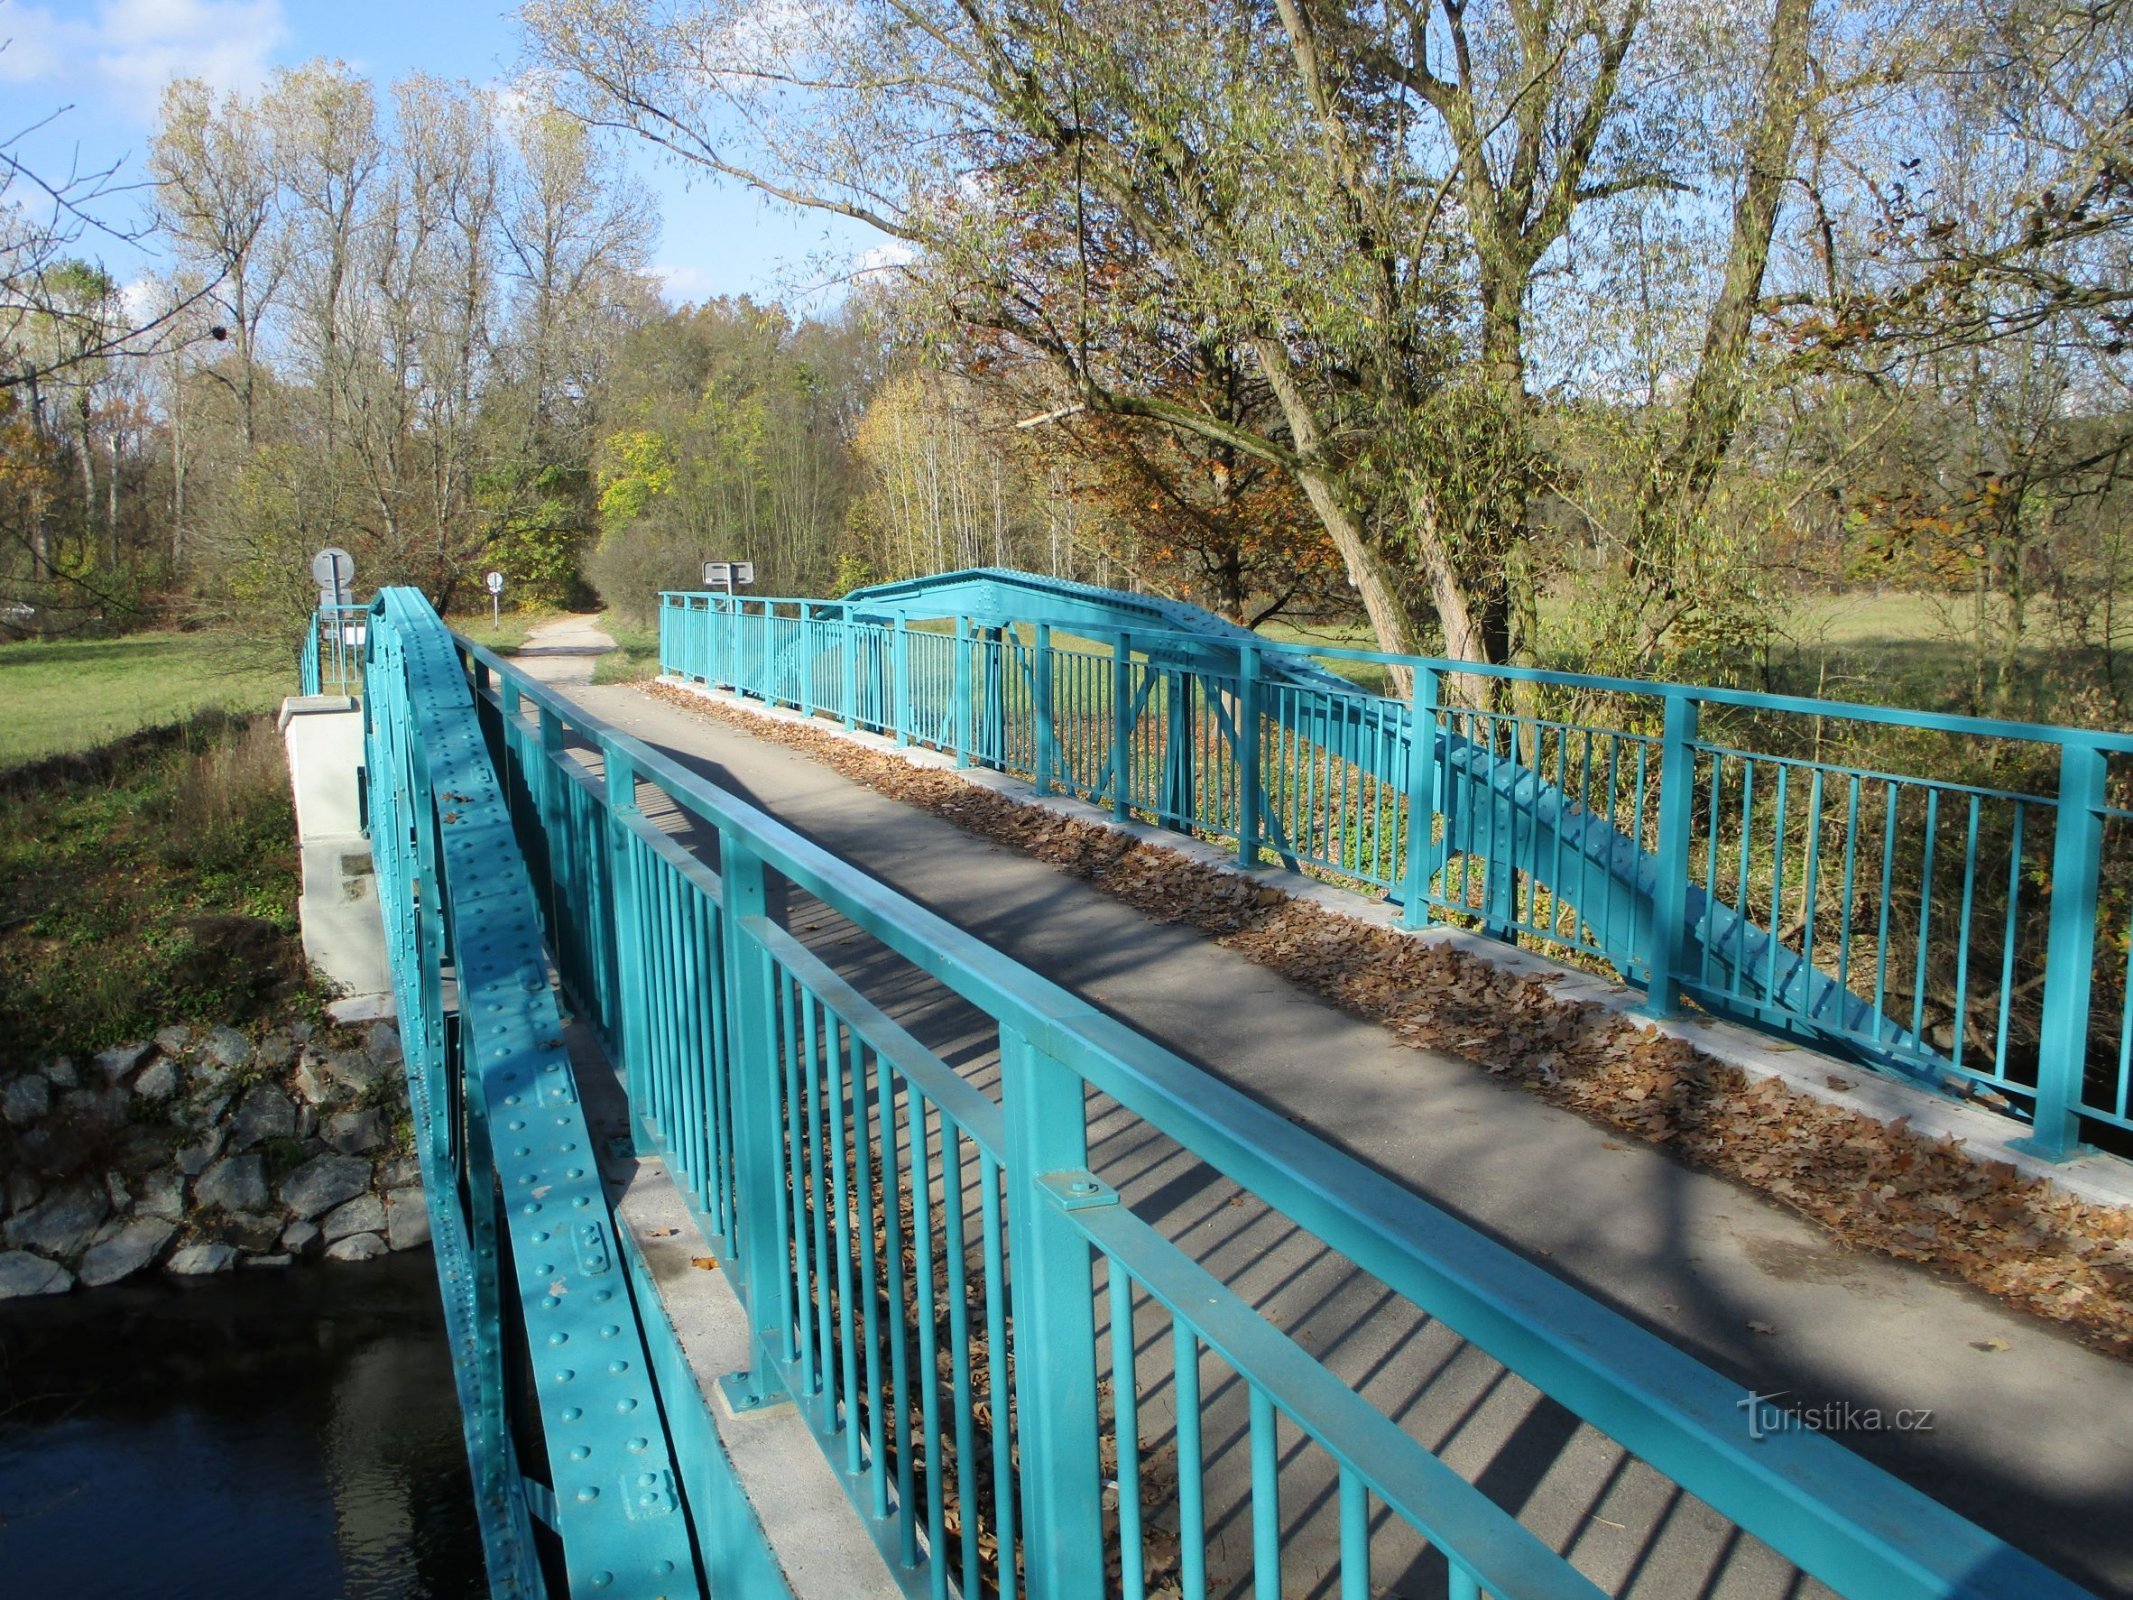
2032, 1435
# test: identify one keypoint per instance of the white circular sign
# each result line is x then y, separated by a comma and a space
333, 566
495, 581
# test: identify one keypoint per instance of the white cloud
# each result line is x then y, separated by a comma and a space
883, 258
143, 297
126, 50
682, 285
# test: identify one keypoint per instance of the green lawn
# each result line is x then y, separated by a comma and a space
71, 694
635, 656
505, 636
148, 881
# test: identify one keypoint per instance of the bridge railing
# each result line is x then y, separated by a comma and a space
331, 659
574, 1482
947, 1286
1947, 897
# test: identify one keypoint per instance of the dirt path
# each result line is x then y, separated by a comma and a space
563, 649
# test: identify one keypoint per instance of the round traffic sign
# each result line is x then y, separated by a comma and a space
495, 582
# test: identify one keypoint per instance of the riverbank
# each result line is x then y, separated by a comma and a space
202, 1150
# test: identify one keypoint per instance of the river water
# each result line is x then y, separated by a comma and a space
282, 1434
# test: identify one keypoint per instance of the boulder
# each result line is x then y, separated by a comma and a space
353, 1132
249, 1230
353, 1071
91, 1112
400, 1172
192, 1160
37, 1151
236, 1183
313, 1082
26, 1099
22, 1191
199, 1260
63, 1224
276, 1050
22, 1275
320, 1185
356, 1247
300, 1238
140, 1149
158, 1080
120, 1060
384, 1045
269, 1261
205, 1110
173, 1039
115, 1187
226, 1049
407, 1219
160, 1194
60, 1069
264, 1113
364, 1214
133, 1248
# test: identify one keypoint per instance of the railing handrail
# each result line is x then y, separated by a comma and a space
1824, 1508
1658, 688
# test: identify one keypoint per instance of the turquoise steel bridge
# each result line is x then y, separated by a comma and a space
929, 1275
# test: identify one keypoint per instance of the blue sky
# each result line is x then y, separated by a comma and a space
107, 60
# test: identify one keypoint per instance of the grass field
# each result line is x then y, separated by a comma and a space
148, 881
506, 636
1908, 650
635, 656
71, 694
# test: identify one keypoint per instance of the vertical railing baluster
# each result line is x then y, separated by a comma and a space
1355, 1535
1421, 796
900, 665
1126, 1432
1677, 813
759, 1179
963, 719
2070, 957
1121, 726
1248, 793
1046, 1113
1041, 755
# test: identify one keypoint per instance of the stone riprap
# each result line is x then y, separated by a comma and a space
204, 1149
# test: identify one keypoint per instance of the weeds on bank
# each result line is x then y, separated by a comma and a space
149, 881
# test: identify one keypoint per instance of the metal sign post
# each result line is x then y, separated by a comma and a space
729, 575
333, 569
495, 583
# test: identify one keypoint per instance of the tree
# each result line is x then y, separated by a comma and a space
1358, 200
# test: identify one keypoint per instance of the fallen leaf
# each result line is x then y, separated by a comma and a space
706, 1263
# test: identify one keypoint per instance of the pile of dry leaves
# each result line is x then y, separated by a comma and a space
1873, 1185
